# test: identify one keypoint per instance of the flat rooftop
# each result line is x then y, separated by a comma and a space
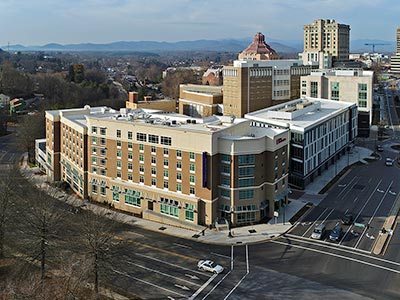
300, 113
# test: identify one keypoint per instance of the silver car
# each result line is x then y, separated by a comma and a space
210, 266
318, 232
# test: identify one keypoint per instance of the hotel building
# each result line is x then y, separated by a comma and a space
320, 132
168, 167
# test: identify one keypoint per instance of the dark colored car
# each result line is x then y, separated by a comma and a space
347, 219
336, 233
379, 148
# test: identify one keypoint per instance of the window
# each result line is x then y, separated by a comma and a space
246, 159
335, 91
153, 149
192, 179
94, 129
189, 211
141, 169
226, 194
179, 153
115, 195
192, 167
153, 171
179, 187
165, 162
153, 160
246, 182
94, 189
132, 197
314, 89
130, 167
119, 155
103, 152
142, 137
192, 190
166, 174
118, 133
141, 157
103, 190
166, 140
169, 209
225, 181
153, 139
141, 179
226, 169
94, 139
130, 155
94, 169
179, 165
130, 176
192, 155
130, 135
103, 162
94, 150
94, 160
246, 194
225, 158
119, 144
102, 131
166, 151
246, 171
119, 164
130, 146
165, 184
103, 172
141, 147
179, 176
118, 174
362, 95
153, 182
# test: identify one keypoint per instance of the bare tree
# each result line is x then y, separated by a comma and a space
97, 234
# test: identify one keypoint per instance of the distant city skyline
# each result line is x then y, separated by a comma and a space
38, 22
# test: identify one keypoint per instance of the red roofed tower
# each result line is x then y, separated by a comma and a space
258, 50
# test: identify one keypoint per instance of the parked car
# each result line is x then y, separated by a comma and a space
318, 232
389, 161
347, 219
210, 266
336, 233
379, 148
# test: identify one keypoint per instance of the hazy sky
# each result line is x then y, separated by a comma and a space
37, 22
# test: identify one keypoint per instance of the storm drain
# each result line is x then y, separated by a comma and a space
162, 228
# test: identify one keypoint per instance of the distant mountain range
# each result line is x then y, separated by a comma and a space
228, 45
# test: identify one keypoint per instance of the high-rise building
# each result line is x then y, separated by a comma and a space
258, 50
395, 59
347, 85
325, 42
168, 167
250, 85
320, 132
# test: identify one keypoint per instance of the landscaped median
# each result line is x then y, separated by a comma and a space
384, 237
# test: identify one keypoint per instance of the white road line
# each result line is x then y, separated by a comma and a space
355, 199
241, 279
149, 283
231, 257
162, 273
220, 255
312, 225
170, 264
373, 215
203, 287
183, 246
215, 286
338, 255
359, 213
346, 211
350, 250
348, 185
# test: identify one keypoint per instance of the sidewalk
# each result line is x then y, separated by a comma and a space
240, 235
